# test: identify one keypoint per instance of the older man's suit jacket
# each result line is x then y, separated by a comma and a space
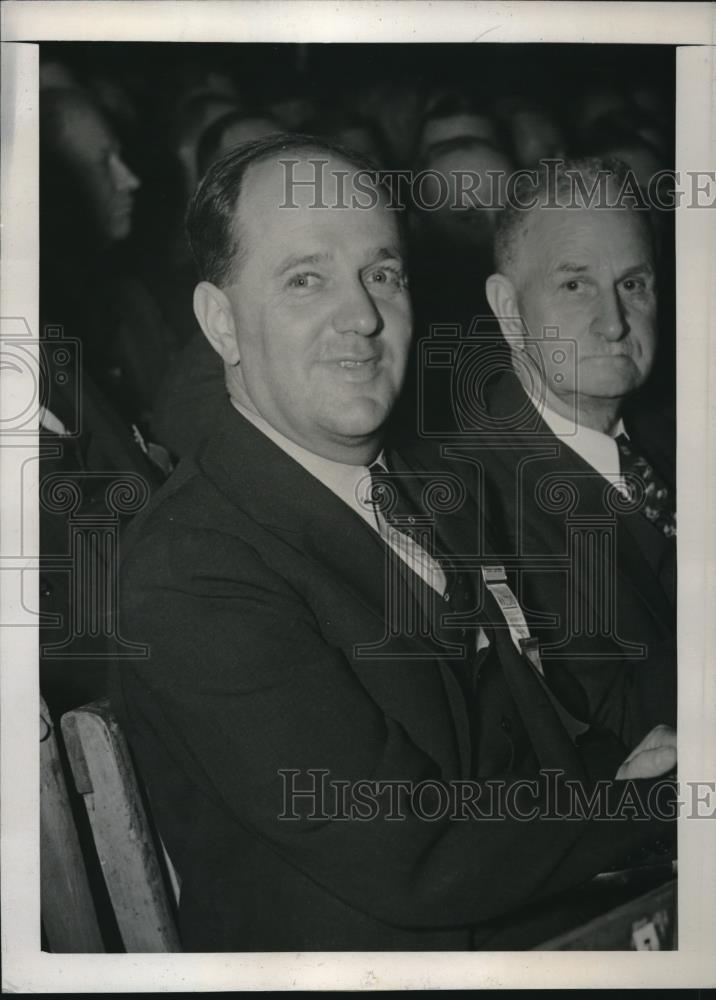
261, 598
597, 579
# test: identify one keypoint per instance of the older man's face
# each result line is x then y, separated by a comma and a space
585, 287
320, 307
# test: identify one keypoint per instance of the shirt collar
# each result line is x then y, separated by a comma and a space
596, 448
348, 482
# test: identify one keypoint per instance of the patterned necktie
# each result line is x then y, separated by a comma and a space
640, 476
407, 533
395, 511
443, 594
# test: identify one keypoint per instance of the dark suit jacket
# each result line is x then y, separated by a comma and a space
254, 587
598, 580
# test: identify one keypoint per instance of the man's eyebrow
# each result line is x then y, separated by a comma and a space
306, 260
644, 268
300, 260
386, 253
567, 267
570, 268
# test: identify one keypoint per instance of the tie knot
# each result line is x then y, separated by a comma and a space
390, 496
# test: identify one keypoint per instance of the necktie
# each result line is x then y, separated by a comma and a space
410, 536
407, 533
443, 596
656, 503
394, 512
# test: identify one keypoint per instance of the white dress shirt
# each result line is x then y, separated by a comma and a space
596, 448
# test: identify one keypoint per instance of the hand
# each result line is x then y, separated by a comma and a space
655, 755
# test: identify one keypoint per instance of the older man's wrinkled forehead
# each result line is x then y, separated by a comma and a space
307, 188
583, 233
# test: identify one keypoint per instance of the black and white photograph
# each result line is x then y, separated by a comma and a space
353, 359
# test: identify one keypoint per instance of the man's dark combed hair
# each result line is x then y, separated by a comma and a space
557, 183
211, 212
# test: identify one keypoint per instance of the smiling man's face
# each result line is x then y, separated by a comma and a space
585, 288
320, 307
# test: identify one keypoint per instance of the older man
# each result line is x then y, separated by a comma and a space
584, 473
323, 676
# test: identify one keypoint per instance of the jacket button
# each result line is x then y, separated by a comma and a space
506, 724
45, 588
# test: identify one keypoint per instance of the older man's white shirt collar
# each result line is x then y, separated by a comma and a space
597, 449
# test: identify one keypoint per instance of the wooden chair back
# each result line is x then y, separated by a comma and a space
69, 918
141, 882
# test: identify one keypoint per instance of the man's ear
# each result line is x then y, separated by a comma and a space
502, 297
215, 317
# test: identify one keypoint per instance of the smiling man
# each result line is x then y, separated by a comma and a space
584, 471
327, 689
309, 350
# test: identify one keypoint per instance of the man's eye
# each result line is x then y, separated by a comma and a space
634, 284
390, 276
301, 281
573, 285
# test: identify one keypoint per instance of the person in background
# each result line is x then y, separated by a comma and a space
96, 364
87, 284
620, 136
231, 130
461, 195
455, 118
191, 120
595, 102
452, 246
534, 132
394, 104
353, 131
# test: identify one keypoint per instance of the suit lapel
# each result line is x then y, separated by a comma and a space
507, 398
278, 493
629, 553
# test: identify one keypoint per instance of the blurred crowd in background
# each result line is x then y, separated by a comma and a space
127, 131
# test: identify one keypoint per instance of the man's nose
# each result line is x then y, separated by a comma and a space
356, 311
124, 179
610, 320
